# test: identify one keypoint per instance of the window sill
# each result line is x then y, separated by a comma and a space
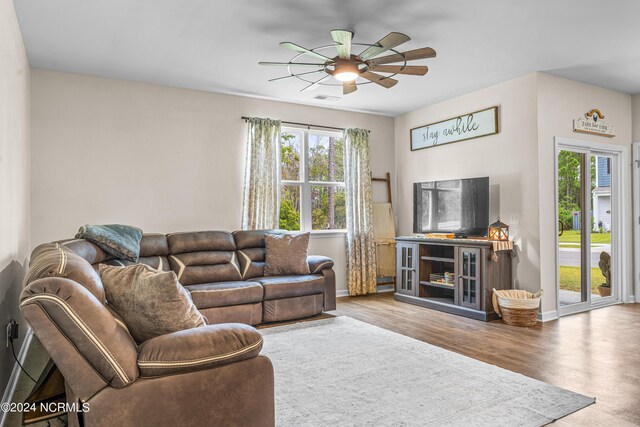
326, 234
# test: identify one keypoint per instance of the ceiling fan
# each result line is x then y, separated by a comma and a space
347, 67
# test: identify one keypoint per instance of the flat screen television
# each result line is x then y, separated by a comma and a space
459, 206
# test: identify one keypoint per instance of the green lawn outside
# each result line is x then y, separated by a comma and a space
573, 236
570, 245
570, 279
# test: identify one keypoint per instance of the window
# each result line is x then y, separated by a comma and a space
312, 196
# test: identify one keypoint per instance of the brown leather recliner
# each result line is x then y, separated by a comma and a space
207, 376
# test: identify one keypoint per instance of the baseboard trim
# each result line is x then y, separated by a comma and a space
548, 315
15, 374
384, 288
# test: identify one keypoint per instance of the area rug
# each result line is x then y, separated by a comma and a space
343, 372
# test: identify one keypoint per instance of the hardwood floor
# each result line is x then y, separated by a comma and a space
595, 353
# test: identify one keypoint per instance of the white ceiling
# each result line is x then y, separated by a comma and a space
215, 45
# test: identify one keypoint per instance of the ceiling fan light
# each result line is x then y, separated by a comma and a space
346, 76
346, 70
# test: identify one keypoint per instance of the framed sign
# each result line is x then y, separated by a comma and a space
469, 126
593, 123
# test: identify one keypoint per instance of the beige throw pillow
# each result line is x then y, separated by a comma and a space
151, 302
286, 254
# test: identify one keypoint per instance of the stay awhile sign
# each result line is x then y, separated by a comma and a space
461, 128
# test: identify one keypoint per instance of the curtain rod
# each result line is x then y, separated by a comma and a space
308, 125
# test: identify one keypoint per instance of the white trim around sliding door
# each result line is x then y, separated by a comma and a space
620, 181
635, 166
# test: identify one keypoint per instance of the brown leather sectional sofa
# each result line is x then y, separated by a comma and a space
207, 376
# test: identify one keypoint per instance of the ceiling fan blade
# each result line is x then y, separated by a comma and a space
389, 41
343, 42
304, 50
377, 78
349, 87
425, 52
415, 70
294, 75
304, 64
315, 84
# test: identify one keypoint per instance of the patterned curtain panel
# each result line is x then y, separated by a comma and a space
361, 248
261, 177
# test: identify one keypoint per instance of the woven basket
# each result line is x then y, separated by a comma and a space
517, 307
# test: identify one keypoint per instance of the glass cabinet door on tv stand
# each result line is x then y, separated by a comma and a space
407, 262
469, 294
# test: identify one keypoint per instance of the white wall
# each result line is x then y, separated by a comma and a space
161, 158
14, 176
509, 158
560, 101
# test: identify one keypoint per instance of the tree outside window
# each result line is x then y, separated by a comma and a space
312, 177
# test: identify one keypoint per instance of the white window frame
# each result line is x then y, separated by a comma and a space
306, 222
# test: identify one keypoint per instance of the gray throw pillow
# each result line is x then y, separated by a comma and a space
286, 254
151, 302
121, 241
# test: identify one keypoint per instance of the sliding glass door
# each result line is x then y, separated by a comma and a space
587, 199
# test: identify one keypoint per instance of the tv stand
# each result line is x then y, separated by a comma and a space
452, 275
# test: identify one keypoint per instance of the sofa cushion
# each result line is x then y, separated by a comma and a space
250, 249
200, 348
222, 294
249, 314
279, 310
151, 302
83, 248
55, 260
286, 254
205, 267
204, 257
121, 241
156, 262
251, 262
276, 287
153, 244
198, 241
245, 239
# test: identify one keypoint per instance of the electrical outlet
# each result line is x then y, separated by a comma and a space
514, 219
12, 331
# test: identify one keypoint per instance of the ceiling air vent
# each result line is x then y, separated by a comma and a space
326, 97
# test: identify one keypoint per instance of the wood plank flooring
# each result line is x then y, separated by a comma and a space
595, 353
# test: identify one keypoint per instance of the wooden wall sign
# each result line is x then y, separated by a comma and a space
468, 126
593, 124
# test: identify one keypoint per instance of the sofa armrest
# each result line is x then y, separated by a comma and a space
198, 348
317, 263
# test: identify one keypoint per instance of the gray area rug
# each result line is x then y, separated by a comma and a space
343, 372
